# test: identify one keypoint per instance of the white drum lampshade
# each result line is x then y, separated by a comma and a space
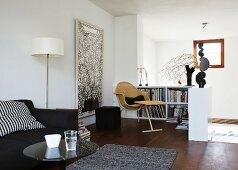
43, 46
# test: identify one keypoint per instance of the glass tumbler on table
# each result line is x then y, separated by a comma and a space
70, 139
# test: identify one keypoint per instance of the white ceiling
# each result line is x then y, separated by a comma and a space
179, 19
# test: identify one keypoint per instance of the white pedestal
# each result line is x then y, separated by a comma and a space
198, 109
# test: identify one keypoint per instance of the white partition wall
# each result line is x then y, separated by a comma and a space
127, 44
198, 109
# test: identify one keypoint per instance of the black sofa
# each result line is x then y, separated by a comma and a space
12, 145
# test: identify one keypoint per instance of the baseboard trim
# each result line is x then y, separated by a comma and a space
219, 120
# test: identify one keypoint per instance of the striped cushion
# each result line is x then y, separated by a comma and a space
15, 116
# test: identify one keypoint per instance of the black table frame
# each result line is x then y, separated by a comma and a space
37, 151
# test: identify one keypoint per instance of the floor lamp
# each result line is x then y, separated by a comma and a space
47, 47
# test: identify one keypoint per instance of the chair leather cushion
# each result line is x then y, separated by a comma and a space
131, 100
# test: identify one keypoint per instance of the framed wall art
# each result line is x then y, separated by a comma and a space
89, 67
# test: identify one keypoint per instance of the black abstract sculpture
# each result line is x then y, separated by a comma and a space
204, 65
200, 79
189, 74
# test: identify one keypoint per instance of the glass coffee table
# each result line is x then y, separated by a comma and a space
59, 155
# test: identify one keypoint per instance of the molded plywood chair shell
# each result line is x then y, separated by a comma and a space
125, 89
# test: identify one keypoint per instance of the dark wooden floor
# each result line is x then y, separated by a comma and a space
190, 155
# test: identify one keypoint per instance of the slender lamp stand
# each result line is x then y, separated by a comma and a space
47, 47
47, 81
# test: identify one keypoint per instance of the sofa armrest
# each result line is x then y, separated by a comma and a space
66, 119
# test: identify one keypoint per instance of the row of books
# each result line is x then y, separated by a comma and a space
183, 125
177, 110
175, 95
155, 112
178, 114
83, 133
155, 94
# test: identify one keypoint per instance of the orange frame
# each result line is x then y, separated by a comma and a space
221, 41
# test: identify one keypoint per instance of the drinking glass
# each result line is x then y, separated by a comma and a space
70, 139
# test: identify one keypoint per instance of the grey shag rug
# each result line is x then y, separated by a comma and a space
119, 157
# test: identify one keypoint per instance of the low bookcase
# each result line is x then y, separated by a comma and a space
175, 98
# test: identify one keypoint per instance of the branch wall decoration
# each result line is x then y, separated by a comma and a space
89, 64
175, 68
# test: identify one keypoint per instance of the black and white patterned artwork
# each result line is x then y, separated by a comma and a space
89, 64
175, 69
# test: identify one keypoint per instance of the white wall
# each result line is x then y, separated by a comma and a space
24, 76
128, 51
127, 42
223, 81
140, 41
149, 58
167, 50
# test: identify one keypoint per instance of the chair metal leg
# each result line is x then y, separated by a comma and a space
151, 127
